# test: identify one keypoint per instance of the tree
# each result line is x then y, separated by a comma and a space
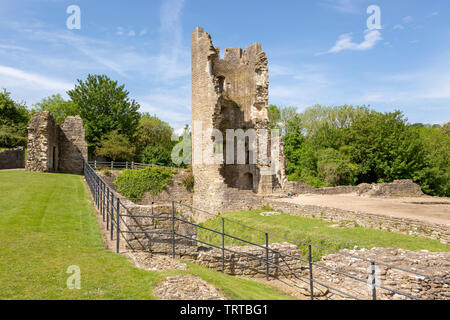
14, 119
153, 132
59, 107
274, 116
116, 146
384, 147
156, 155
104, 106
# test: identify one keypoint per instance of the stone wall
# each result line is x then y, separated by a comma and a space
72, 144
42, 150
229, 94
12, 158
435, 264
53, 148
284, 260
382, 222
398, 188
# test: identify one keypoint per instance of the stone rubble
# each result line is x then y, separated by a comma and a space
187, 287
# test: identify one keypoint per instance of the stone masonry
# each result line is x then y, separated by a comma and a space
12, 159
54, 148
230, 94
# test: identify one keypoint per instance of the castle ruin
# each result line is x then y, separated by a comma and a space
54, 148
231, 95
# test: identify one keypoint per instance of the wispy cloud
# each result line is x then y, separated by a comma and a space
345, 42
35, 80
12, 47
343, 6
174, 57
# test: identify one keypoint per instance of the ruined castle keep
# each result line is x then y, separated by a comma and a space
227, 95
54, 148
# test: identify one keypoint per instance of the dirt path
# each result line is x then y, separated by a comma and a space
426, 209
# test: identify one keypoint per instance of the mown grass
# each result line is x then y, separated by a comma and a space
47, 223
309, 230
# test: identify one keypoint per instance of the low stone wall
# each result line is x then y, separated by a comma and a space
435, 264
387, 223
160, 241
398, 188
284, 260
12, 158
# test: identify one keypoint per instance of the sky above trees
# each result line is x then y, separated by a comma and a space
319, 51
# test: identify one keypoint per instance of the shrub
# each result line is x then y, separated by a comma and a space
188, 183
107, 172
134, 183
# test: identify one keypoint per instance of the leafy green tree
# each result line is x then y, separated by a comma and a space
59, 107
156, 155
104, 106
14, 118
335, 169
153, 132
274, 116
116, 146
384, 147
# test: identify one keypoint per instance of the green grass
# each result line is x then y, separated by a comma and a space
310, 230
47, 223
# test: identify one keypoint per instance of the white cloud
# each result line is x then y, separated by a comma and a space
398, 27
345, 42
35, 80
407, 19
131, 33
119, 31
11, 47
343, 6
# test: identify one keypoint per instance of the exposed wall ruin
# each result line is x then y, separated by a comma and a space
12, 158
54, 148
230, 94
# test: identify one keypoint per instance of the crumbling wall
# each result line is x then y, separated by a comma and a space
229, 94
42, 153
73, 147
53, 148
12, 158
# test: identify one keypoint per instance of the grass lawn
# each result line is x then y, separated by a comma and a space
310, 230
47, 223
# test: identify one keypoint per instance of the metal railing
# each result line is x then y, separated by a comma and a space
117, 165
110, 207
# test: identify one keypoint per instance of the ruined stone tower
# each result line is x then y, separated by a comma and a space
230, 94
54, 148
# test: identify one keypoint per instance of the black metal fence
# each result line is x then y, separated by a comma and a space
110, 207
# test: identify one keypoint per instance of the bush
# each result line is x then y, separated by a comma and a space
107, 172
188, 183
134, 183
156, 155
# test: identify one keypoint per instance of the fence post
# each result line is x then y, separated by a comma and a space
223, 245
126, 164
267, 256
374, 288
102, 198
311, 283
118, 226
132, 164
112, 215
95, 164
107, 209
112, 165
173, 229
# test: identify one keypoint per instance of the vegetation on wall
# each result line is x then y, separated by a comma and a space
134, 183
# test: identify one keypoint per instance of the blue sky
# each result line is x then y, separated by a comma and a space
319, 51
